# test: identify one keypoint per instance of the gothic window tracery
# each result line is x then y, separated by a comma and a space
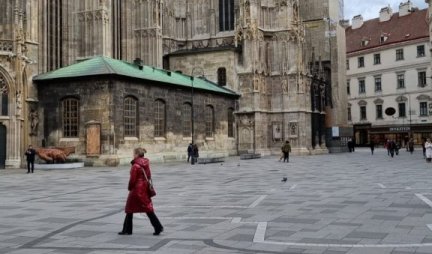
160, 118
226, 15
4, 95
210, 121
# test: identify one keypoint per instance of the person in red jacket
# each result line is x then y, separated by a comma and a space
139, 198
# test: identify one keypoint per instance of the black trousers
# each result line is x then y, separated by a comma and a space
30, 166
286, 157
128, 222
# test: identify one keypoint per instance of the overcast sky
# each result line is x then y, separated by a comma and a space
370, 8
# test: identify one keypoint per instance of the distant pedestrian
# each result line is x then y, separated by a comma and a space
195, 154
424, 148
140, 194
350, 145
397, 148
372, 146
387, 146
428, 146
30, 154
391, 148
411, 146
189, 151
286, 149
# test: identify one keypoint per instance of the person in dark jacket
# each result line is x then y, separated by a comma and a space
411, 146
392, 148
139, 198
195, 154
30, 154
189, 151
286, 149
372, 146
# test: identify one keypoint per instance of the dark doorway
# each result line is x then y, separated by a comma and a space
2, 146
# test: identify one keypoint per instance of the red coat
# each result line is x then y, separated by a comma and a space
138, 200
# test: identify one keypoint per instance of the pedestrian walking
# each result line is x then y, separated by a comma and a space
140, 194
428, 146
411, 146
424, 148
195, 154
189, 151
397, 148
30, 155
372, 146
392, 148
286, 149
387, 146
350, 145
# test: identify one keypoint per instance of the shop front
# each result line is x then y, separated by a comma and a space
400, 134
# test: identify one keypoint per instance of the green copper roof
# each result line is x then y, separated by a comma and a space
101, 65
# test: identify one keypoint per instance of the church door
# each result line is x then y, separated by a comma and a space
2, 146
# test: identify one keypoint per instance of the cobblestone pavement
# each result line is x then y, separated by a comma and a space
348, 203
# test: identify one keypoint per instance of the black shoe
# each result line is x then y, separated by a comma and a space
124, 233
157, 232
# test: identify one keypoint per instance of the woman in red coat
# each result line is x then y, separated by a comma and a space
139, 200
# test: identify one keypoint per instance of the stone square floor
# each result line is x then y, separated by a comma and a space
331, 204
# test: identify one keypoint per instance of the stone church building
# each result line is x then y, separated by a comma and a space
258, 49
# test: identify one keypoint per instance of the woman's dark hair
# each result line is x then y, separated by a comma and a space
140, 151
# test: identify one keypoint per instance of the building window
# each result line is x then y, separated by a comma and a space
347, 64
379, 112
160, 118
361, 62
221, 74
399, 54
187, 120
130, 115
377, 59
348, 87
422, 78
230, 122
4, 97
378, 85
363, 115
421, 51
349, 114
402, 109
226, 15
70, 112
362, 86
209, 116
400, 81
54, 34
423, 109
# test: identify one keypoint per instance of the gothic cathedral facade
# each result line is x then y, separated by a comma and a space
254, 47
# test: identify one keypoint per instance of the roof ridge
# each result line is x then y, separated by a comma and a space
107, 64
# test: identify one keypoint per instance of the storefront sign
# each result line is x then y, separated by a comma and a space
399, 129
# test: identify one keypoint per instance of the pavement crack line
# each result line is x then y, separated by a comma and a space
60, 230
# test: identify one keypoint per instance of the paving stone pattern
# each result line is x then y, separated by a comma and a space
344, 203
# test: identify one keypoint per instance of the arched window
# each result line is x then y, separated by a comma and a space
187, 120
230, 122
130, 117
4, 95
70, 112
221, 74
226, 15
210, 121
160, 118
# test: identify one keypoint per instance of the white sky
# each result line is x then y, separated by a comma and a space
370, 8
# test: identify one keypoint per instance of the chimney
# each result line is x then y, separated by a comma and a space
345, 23
357, 22
385, 14
138, 62
405, 8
